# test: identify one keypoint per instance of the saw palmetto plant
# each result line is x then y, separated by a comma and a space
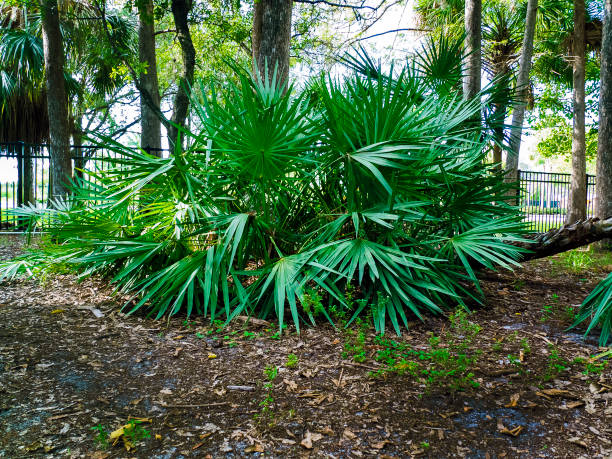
371, 182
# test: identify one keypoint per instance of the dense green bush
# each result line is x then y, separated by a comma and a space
376, 180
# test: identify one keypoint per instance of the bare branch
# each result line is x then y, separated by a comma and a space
362, 6
159, 32
392, 31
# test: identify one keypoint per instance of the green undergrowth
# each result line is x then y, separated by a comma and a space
583, 261
446, 361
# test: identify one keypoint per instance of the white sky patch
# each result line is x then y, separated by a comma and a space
8, 170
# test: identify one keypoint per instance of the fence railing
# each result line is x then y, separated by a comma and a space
25, 178
25, 174
544, 198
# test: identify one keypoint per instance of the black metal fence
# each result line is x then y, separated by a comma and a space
25, 174
25, 178
544, 198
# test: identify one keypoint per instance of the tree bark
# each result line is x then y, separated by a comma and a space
522, 85
28, 176
271, 38
78, 152
499, 117
149, 120
566, 238
57, 101
578, 186
604, 144
180, 11
473, 45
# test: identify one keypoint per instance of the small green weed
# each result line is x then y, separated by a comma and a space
101, 438
354, 342
312, 303
570, 314
135, 432
591, 366
516, 362
292, 361
547, 312
594, 368
525, 346
556, 364
271, 372
267, 414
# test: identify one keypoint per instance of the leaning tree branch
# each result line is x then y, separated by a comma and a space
392, 31
566, 238
338, 5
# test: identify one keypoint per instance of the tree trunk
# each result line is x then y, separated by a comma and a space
578, 187
473, 44
604, 144
28, 176
566, 238
78, 153
499, 117
25, 179
180, 11
497, 151
57, 102
149, 122
522, 85
271, 38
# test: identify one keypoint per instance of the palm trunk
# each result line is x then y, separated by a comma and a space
522, 85
150, 123
497, 149
272, 37
57, 102
578, 187
568, 237
473, 44
604, 145
180, 11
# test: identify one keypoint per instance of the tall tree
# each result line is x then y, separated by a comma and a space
180, 12
578, 186
149, 87
522, 84
57, 100
272, 37
473, 44
604, 145
501, 33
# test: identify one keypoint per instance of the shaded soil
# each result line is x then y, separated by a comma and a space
64, 370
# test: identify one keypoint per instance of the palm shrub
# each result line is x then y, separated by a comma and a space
597, 309
372, 182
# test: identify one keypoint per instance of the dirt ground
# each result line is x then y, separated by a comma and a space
69, 361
